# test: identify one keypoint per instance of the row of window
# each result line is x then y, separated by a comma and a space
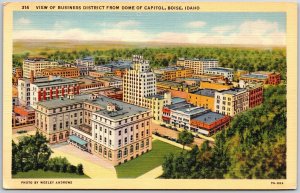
121, 153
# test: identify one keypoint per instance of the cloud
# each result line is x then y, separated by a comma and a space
61, 24
223, 29
257, 32
196, 24
23, 21
120, 24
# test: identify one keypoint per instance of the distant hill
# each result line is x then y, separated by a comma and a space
35, 47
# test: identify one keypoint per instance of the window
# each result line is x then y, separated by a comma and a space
80, 113
105, 130
131, 138
125, 131
147, 142
75, 122
125, 151
142, 133
131, 128
137, 136
119, 154
104, 139
120, 142
96, 147
147, 123
60, 125
120, 132
109, 132
137, 146
142, 124
147, 131
100, 149
105, 152
109, 154
61, 136
120, 122
67, 124
137, 127
100, 137
131, 149
54, 127
75, 115
54, 138
110, 142
80, 121
142, 144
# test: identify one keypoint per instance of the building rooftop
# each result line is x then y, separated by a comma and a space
87, 80
209, 117
36, 59
176, 100
192, 110
157, 96
206, 92
60, 69
233, 91
84, 128
199, 59
219, 69
256, 76
52, 81
60, 102
178, 105
123, 109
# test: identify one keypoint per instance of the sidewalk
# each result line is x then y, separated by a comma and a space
152, 174
93, 166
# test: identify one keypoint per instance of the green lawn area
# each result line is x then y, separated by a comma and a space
47, 174
146, 162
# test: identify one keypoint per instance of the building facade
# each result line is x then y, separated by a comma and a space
272, 78
216, 85
231, 102
198, 65
36, 65
67, 72
203, 98
226, 72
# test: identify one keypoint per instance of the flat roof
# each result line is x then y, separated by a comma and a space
45, 81
198, 59
192, 110
206, 92
87, 80
175, 100
252, 75
60, 68
178, 105
209, 117
219, 69
61, 102
123, 109
233, 91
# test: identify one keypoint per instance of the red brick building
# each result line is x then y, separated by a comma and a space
255, 96
209, 123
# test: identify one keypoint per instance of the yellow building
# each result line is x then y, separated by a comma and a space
171, 73
170, 85
36, 65
202, 98
215, 85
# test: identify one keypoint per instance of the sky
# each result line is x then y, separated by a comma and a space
243, 28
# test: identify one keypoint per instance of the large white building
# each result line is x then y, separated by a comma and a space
36, 65
198, 65
139, 88
103, 126
226, 72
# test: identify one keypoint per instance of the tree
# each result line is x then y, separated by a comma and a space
185, 138
80, 169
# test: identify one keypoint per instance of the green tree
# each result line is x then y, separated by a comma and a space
185, 138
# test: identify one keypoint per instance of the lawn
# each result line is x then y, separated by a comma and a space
146, 162
47, 174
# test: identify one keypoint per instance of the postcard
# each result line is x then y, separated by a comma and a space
150, 95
